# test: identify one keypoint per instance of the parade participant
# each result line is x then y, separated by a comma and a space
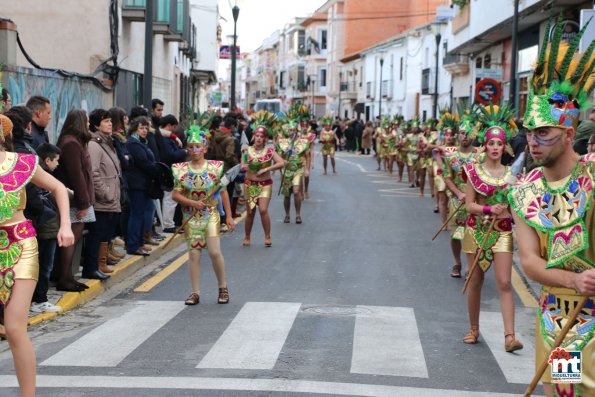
426, 143
391, 139
412, 139
380, 145
295, 151
198, 189
399, 155
259, 161
553, 207
329, 140
446, 138
453, 161
487, 187
19, 262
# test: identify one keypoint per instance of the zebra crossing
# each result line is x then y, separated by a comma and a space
385, 340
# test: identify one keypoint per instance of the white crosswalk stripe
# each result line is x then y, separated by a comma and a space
255, 338
132, 329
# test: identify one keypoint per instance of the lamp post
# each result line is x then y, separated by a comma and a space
312, 81
380, 89
340, 88
435, 107
236, 12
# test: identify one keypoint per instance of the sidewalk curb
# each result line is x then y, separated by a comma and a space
129, 266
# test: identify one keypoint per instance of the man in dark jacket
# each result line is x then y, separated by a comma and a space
42, 114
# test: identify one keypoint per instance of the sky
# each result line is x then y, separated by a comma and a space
258, 19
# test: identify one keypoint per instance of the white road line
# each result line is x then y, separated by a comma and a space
240, 384
108, 344
386, 342
518, 367
254, 338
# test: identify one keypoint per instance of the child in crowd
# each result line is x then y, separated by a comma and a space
49, 157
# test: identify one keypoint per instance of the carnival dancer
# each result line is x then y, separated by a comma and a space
259, 161
446, 138
412, 143
398, 152
489, 225
328, 140
379, 139
309, 134
453, 161
553, 207
295, 151
426, 143
19, 262
198, 188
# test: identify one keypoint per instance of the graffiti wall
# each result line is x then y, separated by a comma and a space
64, 93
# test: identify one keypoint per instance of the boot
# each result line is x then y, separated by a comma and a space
114, 253
148, 239
146, 247
102, 259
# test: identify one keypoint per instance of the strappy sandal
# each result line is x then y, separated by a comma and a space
246, 242
223, 296
298, 219
472, 336
268, 242
513, 345
193, 299
456, 271
287, 219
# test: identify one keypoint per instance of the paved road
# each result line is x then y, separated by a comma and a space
355, 301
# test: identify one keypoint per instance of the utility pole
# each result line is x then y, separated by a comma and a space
512, 98
435, 110
148, 71
380, 89
236, 12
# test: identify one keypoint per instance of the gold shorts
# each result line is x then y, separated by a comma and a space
504, 243
254, 190
197, 229
554, 302
328, 150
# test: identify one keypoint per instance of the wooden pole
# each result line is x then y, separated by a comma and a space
448, 220
481, 249
180, 228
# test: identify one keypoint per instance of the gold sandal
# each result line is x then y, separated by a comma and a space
246, 242
513, 345
472, 336
268, 242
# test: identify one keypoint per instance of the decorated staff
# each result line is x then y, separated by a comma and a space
198, 188
554, 211
259, 161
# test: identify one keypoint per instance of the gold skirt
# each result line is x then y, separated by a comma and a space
504, 243
555, 305
254, 190
328, 149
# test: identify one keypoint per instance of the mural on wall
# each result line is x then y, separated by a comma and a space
64, 93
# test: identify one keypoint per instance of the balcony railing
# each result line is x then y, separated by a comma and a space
456, 64
348, 86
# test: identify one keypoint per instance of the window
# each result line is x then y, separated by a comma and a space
282, 79
487, 61
162, 11
135, 3
478, 63
301, 78
401, 69
368, 89
322, 77
301, 41
323, 39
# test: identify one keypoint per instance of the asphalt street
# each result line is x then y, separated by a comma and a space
355, 301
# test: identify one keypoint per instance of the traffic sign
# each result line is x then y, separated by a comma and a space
488, 91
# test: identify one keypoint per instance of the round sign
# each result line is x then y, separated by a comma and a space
488, 91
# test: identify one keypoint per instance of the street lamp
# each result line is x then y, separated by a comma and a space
236, 12
380, 89
312, 82
438, 36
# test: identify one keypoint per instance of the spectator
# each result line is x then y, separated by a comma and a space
141, 171
359, 132
583, 133
119, 127
222, 146
350, 136
5, 101
42, 114
106, 182
75, 172
49, 158
156, 112
591, 145
172, 153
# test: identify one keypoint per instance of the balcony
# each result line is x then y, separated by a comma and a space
134, 10
348, 90
171, 17
456, 64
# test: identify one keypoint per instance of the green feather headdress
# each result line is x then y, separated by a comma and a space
198, 135
264, 120
468, 123
298, 112
562, 81
496, 121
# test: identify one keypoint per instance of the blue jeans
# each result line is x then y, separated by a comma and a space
47, 252
100, 231
140, 205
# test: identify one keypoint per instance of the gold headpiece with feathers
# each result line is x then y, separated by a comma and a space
562, 81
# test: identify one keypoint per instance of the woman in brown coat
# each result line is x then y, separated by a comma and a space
367, 138
75, 173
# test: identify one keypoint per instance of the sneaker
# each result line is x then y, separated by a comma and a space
44, 307
169, 230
